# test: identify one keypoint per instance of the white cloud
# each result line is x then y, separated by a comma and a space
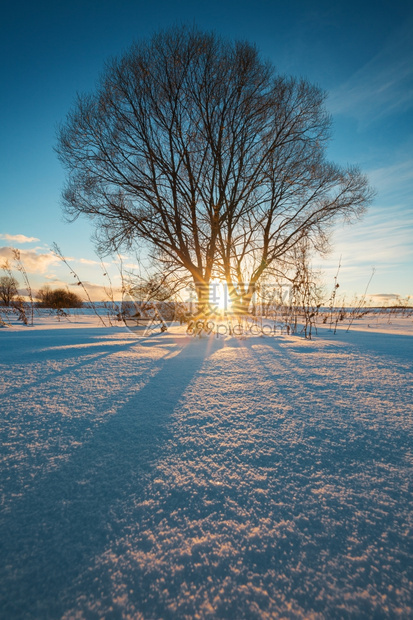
18, 238
32, 261
392, 299
87, 261
96, 292
132, 266
386, 296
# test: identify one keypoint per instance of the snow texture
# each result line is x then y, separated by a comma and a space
179, 477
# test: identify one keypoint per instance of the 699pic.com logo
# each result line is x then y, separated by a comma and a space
266, 316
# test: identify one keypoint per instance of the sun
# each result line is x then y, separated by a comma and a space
219, 298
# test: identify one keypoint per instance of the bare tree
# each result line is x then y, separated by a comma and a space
196, 148
300, 200
8, 289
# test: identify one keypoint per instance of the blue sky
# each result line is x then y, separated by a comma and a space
360, 52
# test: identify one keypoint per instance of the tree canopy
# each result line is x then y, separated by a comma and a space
195, 146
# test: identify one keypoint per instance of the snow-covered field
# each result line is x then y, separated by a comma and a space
177, 477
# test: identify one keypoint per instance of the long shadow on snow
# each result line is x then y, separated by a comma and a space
394, 345
297, 562
336, 436
61, 343
67, 519
57, 355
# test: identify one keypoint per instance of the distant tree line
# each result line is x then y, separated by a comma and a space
58, 298
46, 297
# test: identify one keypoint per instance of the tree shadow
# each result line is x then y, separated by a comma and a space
93, 356
387, 344
328, 406
58, 526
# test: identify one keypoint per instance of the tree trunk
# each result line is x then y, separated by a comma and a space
241, 299
202, 293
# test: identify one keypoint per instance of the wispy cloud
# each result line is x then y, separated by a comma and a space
377, 240
383, 237
381, 240
382, 86
394, 179
18, 238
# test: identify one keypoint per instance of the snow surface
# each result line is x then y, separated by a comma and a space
178, 477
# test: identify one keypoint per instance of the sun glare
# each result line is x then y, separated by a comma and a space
219, 297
